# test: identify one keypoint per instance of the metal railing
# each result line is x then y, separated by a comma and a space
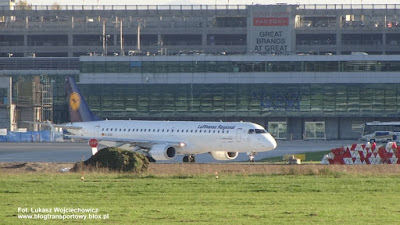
348, 6
196, 7
39, 63
125, 7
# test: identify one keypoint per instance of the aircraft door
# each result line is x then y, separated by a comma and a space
239, 135
97, 131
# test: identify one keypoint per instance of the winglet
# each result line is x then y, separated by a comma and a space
79, 110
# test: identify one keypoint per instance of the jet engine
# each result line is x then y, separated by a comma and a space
221, 155
162, 152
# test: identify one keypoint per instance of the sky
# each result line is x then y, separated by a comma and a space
202, 2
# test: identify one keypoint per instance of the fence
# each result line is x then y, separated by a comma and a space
31, 136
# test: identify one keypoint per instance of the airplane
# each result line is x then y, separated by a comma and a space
164, 140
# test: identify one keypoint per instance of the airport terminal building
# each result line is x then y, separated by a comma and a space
302, 71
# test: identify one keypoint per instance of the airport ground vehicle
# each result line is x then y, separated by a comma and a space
381, 131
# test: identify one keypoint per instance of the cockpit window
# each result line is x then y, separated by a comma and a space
257, 131
260, 131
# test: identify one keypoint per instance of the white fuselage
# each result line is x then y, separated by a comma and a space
197, 137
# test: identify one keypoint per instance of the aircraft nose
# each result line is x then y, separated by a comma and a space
271, 142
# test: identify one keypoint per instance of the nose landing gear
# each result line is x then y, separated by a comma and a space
251, 156
189, 159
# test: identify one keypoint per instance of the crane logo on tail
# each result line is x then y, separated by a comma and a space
74, 101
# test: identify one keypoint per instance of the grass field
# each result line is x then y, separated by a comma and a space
324, 198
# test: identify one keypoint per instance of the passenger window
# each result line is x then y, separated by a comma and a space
107, 129
111, 129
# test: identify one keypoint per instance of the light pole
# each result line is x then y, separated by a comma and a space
107, 37
121, 40
104, 38
117, 22
140, 24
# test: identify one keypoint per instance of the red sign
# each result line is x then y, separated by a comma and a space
270, 21
93, 143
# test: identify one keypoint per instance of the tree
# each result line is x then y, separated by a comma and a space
55, 6
23, 5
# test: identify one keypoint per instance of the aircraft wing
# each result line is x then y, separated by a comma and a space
146, 144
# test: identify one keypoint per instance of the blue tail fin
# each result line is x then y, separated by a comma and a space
78, 108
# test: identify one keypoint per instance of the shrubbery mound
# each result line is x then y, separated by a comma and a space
115, 159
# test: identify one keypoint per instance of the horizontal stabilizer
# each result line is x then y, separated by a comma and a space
63, 126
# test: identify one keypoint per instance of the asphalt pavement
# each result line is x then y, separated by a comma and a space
73, 152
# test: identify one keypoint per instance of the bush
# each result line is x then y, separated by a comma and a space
115, 159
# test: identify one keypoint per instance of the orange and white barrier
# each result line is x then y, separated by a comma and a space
364, 154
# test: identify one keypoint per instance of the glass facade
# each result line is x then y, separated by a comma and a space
237, 66
193, 101
278, 129
314, 130
25, 96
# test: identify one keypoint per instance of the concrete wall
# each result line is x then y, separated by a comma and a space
295, 128
332, 128
346, 132
5, 82
4, 118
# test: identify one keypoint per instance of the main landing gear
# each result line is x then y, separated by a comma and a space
189, 159
151, 159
